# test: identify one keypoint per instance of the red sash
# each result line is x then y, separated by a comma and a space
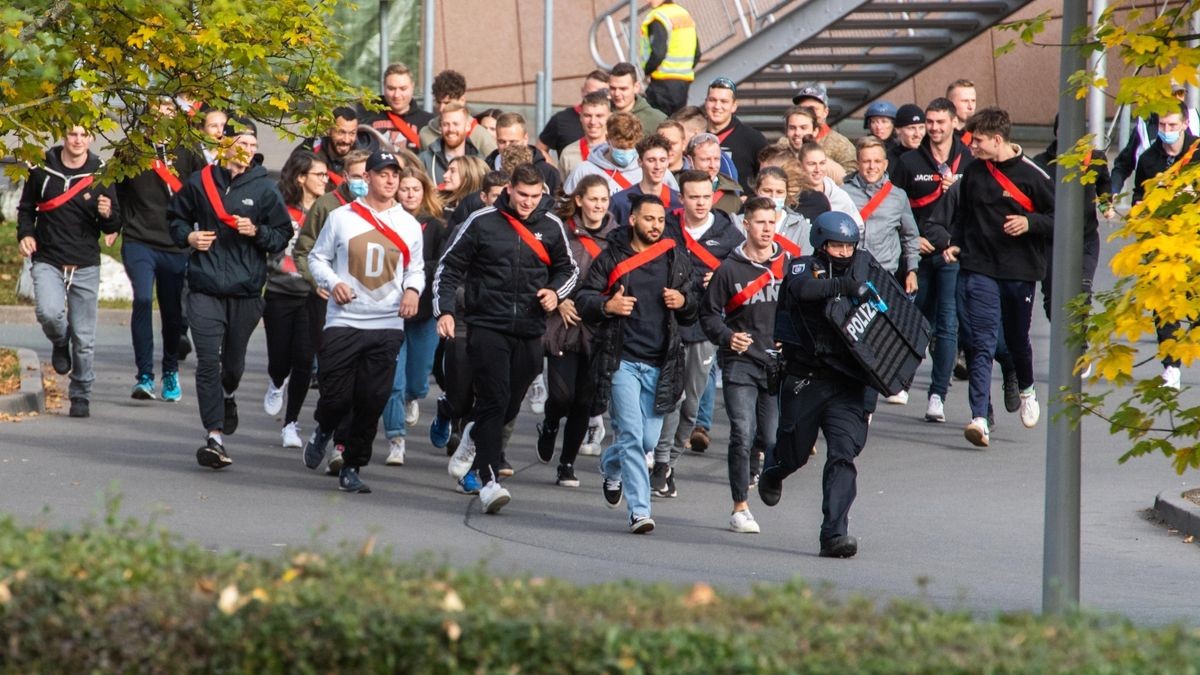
698, 249
406, 129
386, 231
966, 137
869, 209
823, 132
792, 248
936, 194
1011, 188
168, 177
589, 244
340, 198
288, 263
530, 240
335, 178
51, 204
775, 272
717, 196
637, 260
214, 197
297, 215
583, 148
664, 194
724, 134
619, 179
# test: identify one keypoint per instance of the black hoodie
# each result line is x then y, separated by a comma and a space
1155, 160
144, 199
917, 174
500, 273
235, 265
755, 316
69, 234
719, 240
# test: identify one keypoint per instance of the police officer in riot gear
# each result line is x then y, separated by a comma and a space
824, 385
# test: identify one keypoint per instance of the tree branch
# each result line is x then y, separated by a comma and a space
54, 13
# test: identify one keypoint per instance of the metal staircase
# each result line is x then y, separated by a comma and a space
858, 48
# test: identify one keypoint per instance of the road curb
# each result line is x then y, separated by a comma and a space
1178, 511
32, 396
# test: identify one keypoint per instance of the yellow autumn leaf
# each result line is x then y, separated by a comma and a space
452, 602
111, 54
290, 575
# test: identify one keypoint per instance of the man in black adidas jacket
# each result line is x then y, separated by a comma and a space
738, 315
638, 294
239, 220
514, 263
60, 218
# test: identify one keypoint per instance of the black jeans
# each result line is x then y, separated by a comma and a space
753, 419
289, 348
835, 408
357, 367
221, 329
569, 396
502, 368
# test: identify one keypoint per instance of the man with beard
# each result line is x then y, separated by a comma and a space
333, 148
452, 143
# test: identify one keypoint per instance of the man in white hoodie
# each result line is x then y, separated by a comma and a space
369, 259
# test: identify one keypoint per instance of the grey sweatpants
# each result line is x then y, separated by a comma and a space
221, 329
678, 424
66, 306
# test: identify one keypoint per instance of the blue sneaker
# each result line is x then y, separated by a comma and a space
469, 484
314, 450
144, 389
170, 387
439, 431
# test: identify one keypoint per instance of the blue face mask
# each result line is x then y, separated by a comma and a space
1168, 137
623, 158
357, 187
778, 203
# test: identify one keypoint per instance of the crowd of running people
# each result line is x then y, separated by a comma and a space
625, 263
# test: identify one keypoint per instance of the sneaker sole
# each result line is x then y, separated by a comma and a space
393, 462
142, 395
745, 530
209, 459
976, 437
496, 504
363, 489
567, 483
644, 527
839, 552
292, 445
613, 505
168, 399
935, 418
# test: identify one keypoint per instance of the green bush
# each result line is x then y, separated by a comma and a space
119, 596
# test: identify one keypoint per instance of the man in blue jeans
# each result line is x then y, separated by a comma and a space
1000, 236
637, 294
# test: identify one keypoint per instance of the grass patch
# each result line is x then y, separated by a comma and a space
10, 371
122, 596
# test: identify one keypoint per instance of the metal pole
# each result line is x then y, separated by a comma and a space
539, 93
635, 32
1097, 106
547, 65
427, 65
1193, 94
383, 40
1060, 562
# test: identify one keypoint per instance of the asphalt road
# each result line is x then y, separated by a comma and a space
935, 517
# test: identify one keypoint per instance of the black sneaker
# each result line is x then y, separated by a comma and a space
1012, 392
641, 524
961, 372
184, 348
503, 468
314, 449
566, 476
60, 358
80, 408
547, 439
770, 488
658, 476
668, 490
612, 492
844, 546
212, 455
231, 416
991, 418
348, 481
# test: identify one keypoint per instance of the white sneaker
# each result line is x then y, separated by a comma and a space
743, 522
1030, 410
900, 398
412, 413
396, 452
977, 432
936, 410
595, 434
464, 455
650, 461
290, 435
273, 401
1170, 377
538, 395
493, 497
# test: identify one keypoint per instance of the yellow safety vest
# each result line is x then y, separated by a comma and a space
681, 42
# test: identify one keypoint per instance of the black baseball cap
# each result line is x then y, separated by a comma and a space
909, 114
382, 160
811, 90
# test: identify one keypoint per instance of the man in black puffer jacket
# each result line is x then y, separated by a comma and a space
232, 215
514, 263
638, 293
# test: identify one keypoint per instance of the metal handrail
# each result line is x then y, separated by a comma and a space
719, 21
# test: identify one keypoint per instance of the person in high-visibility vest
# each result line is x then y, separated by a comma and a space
669, 54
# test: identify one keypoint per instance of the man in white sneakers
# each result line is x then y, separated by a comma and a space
369, 259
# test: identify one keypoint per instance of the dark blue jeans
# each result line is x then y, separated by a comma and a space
753, 419
937, 283
149, 270
991, 306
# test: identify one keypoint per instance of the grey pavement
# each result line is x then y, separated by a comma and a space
935, 517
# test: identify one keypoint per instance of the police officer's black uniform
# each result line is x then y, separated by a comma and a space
824, 386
